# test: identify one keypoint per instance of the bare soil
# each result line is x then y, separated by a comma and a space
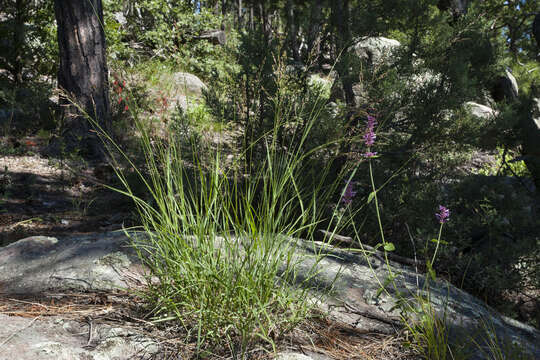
54, 197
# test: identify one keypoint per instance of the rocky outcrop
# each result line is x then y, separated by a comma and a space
375, 50
105, 262
530, 128
358, 302
188, 83
56, 338
183, 91
505, 87
480, 111
94, 262
37, 265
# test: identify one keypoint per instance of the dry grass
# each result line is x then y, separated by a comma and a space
340, 341
315, 336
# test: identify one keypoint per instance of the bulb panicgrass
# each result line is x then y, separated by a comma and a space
219, 247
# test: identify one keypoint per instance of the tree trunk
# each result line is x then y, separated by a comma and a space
292, 30
251, 23
21, 12
536, 29
263, 13
240, 9
82, 75
341, 18
314, 35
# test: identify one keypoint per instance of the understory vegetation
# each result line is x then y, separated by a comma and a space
239, 129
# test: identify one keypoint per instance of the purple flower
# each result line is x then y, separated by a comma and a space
443, 215
371, 122
369, 136
349, 193
369, 154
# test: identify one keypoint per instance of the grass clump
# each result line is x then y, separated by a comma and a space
219, 246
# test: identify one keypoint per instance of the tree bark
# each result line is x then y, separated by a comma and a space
341, 18
292, 32
536, 29
21, 15
83, 74
240, 17
314, 35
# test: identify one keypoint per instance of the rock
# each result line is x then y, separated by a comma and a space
485, 114
104, 262
186, 90
356, 301
120, 18
480, 111
292, 356
530, 129
55, 338
188, 83
375, 50
505, 87
94, 262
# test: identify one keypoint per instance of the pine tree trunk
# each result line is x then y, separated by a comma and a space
314, 35
341, 18
21, 12
82, 75
292, 31
240, 7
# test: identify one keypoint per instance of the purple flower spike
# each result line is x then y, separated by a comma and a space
443, 215
369, 154
369, 136
371, 121
349, 193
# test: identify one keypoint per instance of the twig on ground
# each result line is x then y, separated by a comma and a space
18, 331
379, 254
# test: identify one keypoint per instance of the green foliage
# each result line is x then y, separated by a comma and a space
221, 247
118, 46
28, 34
506, 165
288, 105
168, 31
28, 59
429, 335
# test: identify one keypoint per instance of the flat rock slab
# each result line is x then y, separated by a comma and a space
101, 262
91, 262
357, 301
55, 338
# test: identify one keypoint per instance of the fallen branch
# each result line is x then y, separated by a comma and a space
18, 331
350, 242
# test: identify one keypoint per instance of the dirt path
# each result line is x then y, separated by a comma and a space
40, 196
